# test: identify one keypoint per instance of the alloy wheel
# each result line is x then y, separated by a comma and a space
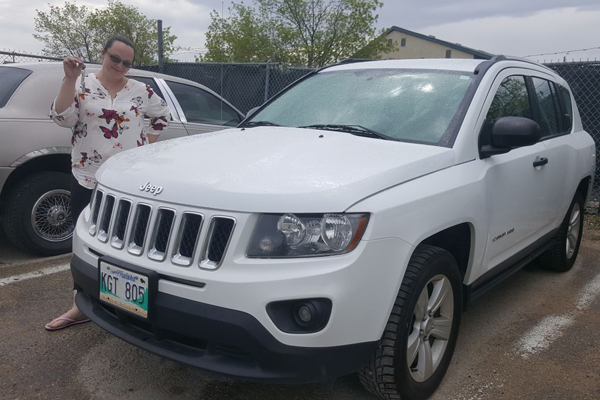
431, 328
573, 230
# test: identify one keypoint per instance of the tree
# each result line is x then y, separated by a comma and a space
127, 21
245, 37
77, 31
66, 31
309, 32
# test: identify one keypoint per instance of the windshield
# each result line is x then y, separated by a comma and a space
405, 105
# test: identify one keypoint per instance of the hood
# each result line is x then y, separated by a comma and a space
270, 169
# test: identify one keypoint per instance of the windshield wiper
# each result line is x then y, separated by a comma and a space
353, 129
259, 123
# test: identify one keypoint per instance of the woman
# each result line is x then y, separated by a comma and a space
106, 113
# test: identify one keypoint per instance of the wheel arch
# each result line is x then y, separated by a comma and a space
585, 188
458, 241
58, 162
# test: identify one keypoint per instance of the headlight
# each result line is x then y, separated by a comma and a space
304, 235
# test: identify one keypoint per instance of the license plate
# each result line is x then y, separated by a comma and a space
124, 289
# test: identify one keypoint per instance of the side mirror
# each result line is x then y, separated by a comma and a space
509, 133
252, 111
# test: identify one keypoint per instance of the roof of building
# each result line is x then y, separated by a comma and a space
477, 53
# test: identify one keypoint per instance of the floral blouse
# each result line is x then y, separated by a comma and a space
103, 127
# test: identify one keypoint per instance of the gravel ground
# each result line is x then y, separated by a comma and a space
535, 336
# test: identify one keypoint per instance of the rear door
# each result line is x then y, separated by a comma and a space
555, 117
200, 110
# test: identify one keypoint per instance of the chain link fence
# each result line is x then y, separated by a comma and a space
10, 57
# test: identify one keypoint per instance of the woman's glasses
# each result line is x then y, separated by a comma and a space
118, 60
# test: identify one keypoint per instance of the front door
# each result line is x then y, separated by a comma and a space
516, 189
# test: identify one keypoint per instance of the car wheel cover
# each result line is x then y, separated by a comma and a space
431, 328
51, 216
573, 230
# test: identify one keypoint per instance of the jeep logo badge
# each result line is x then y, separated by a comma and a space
155, 190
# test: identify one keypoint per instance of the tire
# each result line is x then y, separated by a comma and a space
37, 215
388, 374
563, 253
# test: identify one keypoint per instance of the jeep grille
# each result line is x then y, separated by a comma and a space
160, 232
219, 235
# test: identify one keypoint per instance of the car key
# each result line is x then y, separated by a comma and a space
82, 79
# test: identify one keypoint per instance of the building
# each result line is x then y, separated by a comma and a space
415, 45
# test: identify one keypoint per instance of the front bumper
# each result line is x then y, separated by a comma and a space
217, 339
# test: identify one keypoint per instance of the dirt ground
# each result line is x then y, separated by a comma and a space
591, 226
533, 337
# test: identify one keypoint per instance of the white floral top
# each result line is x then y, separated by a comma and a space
103, 127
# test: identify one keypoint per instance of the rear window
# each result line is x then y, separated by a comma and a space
548, 120
10, 79
566, 108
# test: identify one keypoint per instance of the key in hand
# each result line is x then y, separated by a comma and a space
83, 79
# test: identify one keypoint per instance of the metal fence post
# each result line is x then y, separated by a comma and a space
160, 46
267, 82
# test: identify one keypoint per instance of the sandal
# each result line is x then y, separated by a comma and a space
70, 322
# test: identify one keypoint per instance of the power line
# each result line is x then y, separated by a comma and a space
562, 52
192, 48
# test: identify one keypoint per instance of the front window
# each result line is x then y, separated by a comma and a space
202, 107
404, 105
511, 100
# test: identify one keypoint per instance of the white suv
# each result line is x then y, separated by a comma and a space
343, 226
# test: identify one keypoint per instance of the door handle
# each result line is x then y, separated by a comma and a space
540, 161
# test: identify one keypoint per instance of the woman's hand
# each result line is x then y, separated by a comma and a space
73, 67
67, 93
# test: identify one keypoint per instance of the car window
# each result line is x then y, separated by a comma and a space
202, 107
511, 100
548, 116
566, 108
10, 79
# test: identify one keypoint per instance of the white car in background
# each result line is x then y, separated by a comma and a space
35, 153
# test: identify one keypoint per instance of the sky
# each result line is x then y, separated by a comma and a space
544, 30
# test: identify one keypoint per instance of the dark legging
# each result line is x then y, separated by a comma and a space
80, 198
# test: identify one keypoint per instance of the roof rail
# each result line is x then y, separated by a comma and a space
353, 60
485, 65
515, 58
345, 61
